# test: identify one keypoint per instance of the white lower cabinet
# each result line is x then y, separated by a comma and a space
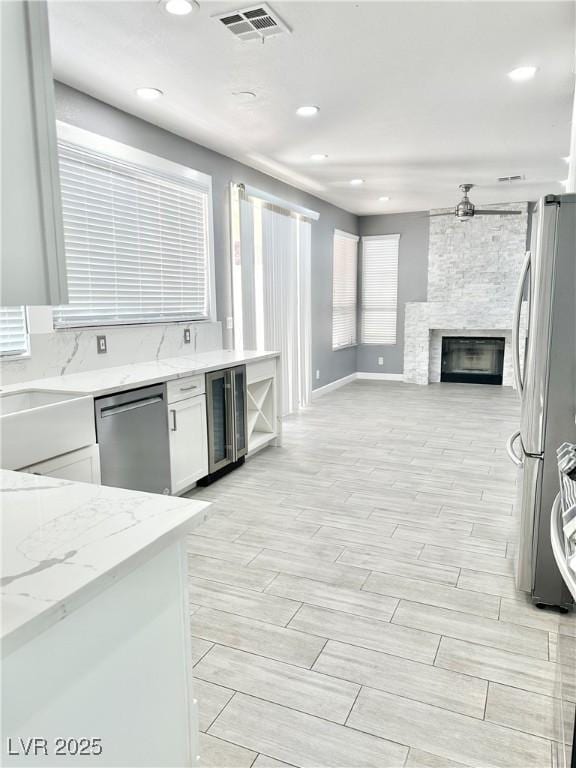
262, 392
188, 442
82, 466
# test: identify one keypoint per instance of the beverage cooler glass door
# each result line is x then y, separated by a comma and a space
240, 411
220, 419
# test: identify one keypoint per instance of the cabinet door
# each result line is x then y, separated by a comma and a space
32, 231
81, 466
188, 442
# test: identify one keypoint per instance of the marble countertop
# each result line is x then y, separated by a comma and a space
107, 380
63, 542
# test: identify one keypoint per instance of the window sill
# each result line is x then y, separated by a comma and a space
345, 346
103, 326
15, 358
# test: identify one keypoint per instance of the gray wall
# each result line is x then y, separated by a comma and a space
93, 115
414, 229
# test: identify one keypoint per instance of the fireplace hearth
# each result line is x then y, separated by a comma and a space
472, 359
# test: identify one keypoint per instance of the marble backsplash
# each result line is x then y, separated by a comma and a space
56, 353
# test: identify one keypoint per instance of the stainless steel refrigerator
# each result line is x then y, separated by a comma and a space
546, 384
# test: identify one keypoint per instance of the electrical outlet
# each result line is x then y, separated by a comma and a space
101, 345
317, 375
380, 361
186, 335
229, 323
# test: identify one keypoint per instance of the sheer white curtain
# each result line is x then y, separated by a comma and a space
271, 284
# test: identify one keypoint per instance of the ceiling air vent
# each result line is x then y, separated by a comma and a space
510, 178
255, 23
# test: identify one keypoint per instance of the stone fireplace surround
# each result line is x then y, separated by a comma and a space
473, 271
427, 322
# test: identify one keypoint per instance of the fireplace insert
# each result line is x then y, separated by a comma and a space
472, 359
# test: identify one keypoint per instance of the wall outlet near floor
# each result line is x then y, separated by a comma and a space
380, 361
101, 345
229, 323
186, 335
317, 374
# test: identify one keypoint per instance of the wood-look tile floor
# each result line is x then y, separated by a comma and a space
352, 598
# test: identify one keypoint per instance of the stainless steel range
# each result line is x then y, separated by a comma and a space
563, 538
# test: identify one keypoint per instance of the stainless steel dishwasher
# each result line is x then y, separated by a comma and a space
132, 433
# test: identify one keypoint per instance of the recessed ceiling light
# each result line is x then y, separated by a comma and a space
318, 156
149, 94
180, 7
522, 73
356, 182
384, 199
307, 111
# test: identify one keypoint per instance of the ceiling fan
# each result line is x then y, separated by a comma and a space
466, 210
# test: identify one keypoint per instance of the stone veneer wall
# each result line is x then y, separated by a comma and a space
473, 272
425, 321
477, 261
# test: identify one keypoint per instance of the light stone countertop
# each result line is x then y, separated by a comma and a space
107, 380
64, 542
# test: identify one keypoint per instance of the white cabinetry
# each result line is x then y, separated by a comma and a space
33, 263
188, 441
82, 466
262, 393
116, 668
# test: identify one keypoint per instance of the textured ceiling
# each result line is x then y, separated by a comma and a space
413, 96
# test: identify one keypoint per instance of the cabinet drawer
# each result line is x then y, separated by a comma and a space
263, 369
189, 386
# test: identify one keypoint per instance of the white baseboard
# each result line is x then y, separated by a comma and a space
316, 393
381, 376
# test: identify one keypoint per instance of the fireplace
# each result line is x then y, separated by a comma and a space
472, 359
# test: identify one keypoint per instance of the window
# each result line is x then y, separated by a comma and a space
137, 234
344, 290
379, 289
13, 332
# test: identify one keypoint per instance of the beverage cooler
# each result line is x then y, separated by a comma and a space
227, 420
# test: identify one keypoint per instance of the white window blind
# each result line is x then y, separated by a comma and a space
344, 290
136, 240
13, 331
379, 289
